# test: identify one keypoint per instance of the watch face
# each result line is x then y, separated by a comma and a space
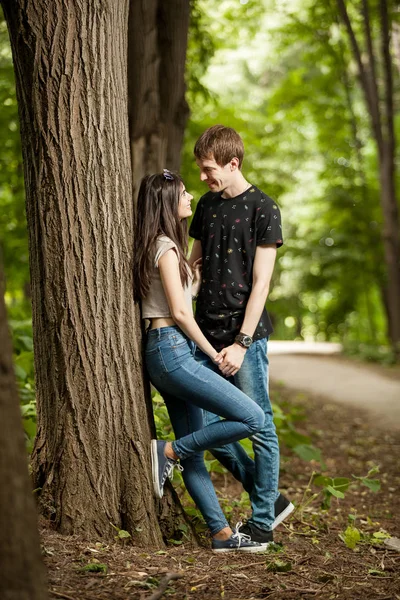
246, 341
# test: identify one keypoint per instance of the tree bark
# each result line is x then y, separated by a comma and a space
22, 571
91, 454
157, 107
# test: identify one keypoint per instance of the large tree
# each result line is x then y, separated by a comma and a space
91, 457
22, 574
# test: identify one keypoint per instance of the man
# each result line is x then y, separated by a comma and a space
237, 230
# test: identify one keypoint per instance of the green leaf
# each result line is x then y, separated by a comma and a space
373, 471
372, 484
279, 566
308, 452
377, 573
381, 535
26, 341
122, 534
351, 537
334, 492
321, 480
20, 373
341, 483
94, 568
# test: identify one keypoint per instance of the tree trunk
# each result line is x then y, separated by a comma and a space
381, 111
22, 571
158, 110
391, 246
91, 455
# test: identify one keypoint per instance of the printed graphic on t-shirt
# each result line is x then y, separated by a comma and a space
230, 231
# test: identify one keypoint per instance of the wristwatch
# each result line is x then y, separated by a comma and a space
244, 340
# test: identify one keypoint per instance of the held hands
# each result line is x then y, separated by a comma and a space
231, 359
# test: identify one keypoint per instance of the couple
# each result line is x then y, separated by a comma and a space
212, 371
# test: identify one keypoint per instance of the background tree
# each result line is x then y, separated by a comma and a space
91, 453
22, 569
375, 73
158, 110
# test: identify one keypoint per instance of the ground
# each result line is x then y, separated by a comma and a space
310, 560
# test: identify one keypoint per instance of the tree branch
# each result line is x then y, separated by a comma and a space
388, 75
164, 584
371, 73
370, 100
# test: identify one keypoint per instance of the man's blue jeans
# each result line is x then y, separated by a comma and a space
188, 387
259, 477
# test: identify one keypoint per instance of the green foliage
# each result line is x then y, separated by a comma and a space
352, 536
94, 567
13, 234
24, 371
279, 566
121, 533
337, 486
290, 88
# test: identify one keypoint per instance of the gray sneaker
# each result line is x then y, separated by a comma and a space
161, 466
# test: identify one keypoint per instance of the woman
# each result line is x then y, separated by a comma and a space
163, 280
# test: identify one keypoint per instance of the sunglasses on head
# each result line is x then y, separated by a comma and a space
168, 175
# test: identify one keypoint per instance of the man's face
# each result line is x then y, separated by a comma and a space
216, 177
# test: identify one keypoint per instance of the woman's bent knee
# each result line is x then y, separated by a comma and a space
257, 420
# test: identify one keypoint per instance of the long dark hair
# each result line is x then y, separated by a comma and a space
157, 214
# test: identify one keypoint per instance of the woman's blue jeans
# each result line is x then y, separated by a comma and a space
188, 388
259, 476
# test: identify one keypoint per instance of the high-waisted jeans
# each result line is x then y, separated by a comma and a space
188, 387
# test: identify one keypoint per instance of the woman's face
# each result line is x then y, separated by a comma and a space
184, 207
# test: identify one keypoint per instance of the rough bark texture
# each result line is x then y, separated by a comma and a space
158, 110
379, 100
22, 571
91, 454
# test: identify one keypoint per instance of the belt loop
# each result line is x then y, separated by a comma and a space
158, 333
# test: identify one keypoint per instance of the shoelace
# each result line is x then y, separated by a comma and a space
169, 470
240, 536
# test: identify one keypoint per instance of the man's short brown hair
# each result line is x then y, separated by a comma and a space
220, 142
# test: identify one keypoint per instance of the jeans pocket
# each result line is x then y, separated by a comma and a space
173, 356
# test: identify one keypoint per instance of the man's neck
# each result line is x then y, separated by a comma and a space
238, 187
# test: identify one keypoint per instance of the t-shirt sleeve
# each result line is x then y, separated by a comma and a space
195, 229
161, 248
269, 224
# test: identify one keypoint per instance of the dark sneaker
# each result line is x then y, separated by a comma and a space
161, 467
283, 508
262, 536
238, 542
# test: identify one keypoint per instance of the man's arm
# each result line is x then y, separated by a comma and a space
263, 268
196, 252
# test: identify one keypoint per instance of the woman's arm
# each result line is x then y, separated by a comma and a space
180, 312
196, 253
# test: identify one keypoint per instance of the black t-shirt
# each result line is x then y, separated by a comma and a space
230, 231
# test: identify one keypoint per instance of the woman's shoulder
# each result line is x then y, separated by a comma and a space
163, 244
164, 239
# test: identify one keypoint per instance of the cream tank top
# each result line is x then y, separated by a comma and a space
155, 303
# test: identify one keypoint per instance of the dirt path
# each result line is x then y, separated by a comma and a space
374, 389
